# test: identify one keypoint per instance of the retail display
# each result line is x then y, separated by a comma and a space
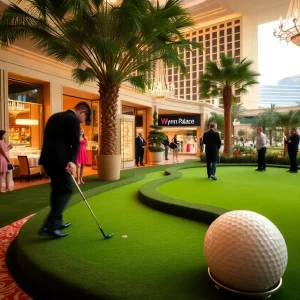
19, 135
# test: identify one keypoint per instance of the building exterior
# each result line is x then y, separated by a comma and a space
285, 93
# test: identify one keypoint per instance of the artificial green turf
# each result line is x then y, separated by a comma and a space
162, 255
24, 202
162, 258
274, 194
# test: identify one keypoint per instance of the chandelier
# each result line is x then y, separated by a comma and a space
15, 108
160, 89
289, 29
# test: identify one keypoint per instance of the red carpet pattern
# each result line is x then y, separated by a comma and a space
9, 290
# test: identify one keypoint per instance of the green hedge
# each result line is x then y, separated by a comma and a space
271, 158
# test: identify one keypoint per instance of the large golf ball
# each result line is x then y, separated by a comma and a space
245, 251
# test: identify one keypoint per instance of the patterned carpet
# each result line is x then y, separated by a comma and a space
9, 290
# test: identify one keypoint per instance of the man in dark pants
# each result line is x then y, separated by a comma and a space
261, 149
293, 145
139, 150
212, 141
58, 157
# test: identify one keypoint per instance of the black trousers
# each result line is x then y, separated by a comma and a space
61, 185
293, 161
262, 158
211, 164
139, 155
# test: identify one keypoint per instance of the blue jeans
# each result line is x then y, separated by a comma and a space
211, 167
166, 152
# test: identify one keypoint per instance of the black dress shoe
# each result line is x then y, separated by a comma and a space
288, 170
262, 170
142, 165
213, 177
258, 169
65, 225
293, 171
52, 233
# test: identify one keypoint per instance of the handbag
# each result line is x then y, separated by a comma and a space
10, 167
173, 145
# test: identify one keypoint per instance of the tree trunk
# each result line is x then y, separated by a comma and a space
271, 136
108, 117
227, 98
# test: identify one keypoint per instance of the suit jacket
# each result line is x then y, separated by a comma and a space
140, 142
61, 141
294, 143
212, 141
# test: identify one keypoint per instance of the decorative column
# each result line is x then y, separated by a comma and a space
4, 117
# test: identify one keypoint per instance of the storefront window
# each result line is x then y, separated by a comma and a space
25, 123
25, 113
187, 140
24, 92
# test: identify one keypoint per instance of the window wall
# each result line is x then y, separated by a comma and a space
220, 38
25, 111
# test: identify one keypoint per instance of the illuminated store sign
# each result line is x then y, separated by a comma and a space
179, 120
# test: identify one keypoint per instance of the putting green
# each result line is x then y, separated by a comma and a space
274, 194
162, 257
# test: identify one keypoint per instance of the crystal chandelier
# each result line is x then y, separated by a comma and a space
15, 108
159, 89
289, 29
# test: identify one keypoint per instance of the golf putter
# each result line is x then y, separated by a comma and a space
83, 197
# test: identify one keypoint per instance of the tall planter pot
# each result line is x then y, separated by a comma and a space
109, 167
156, 158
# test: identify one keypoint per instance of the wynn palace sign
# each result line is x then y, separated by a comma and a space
179, 120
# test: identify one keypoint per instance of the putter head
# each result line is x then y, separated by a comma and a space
109, 235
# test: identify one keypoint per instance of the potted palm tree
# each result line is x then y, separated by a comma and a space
155, 139
108, 44
219, 79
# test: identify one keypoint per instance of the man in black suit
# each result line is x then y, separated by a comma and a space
293, 145
58, 157
139, 149
212, 141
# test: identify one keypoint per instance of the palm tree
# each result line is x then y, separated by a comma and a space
216, 118
237, 111
108, 44
219, 80
261, 121
272, 118
287, 121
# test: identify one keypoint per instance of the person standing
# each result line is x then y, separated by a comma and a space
166, 143
212, 141
82, 157
140, 144
58, 157
293, 145
261, 149
176, 148
4, 161
201, 144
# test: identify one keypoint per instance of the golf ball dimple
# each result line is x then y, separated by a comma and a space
124, 236
245, 251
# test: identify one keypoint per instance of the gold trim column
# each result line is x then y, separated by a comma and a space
4, 117
4, 99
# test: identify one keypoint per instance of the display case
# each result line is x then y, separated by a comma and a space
127, 140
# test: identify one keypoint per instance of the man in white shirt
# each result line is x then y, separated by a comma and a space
261, 149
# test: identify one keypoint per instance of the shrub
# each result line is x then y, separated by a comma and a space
243, 149
275, 158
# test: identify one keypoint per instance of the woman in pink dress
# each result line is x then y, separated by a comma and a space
4, 160
82, 157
